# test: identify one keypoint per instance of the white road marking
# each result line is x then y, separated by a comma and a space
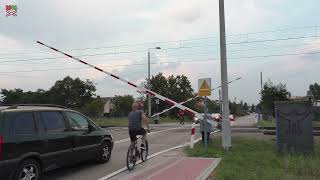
151, 156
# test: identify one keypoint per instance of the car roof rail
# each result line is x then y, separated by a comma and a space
15, 106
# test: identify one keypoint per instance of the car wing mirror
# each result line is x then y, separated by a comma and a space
91, 128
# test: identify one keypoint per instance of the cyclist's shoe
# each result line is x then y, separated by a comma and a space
142, 147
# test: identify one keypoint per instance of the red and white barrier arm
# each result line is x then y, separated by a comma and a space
159, 113
172, 107
147, 91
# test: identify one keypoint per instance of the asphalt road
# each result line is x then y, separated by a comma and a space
160, 139
245, 121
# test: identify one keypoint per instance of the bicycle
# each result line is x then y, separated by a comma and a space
182, 120
134, 153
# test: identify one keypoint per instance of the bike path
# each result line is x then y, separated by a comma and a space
171, 165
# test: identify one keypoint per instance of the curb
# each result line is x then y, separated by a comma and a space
209, 170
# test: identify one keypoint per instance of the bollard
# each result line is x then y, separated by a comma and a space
193, 131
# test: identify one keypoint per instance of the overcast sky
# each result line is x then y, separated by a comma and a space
276, 37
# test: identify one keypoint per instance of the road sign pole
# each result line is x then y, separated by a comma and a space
205, 124
226, 132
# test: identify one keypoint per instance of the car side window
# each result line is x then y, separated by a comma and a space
54, 122
23, 123
77, 121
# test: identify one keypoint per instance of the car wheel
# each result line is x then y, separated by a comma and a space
104, 152
29, 169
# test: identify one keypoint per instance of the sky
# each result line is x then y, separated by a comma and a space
276, 37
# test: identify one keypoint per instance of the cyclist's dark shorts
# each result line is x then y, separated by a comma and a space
134, 133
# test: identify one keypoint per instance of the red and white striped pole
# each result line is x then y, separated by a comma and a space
193, 132
147, 91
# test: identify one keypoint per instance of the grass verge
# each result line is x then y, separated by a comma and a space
124, 121
257, 159
265, 123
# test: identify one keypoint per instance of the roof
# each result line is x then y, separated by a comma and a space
104, 99
28, 107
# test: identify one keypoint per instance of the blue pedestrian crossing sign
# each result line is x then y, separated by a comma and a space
204, 87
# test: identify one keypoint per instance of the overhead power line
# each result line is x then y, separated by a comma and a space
169, 62
32, 51
186, 47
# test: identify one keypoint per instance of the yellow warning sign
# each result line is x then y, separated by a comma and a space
204, 87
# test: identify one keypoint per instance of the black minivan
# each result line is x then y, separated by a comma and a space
38, 138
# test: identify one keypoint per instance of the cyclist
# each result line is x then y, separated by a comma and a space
136, 117
181, 115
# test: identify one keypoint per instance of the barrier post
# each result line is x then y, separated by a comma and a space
193, 131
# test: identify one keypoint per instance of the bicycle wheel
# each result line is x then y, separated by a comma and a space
144, 150
131, 157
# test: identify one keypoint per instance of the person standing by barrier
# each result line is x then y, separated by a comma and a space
209, 126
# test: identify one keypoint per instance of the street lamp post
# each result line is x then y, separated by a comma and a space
148, 83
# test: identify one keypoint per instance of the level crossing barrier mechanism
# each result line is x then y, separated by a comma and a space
146, 91
197, 95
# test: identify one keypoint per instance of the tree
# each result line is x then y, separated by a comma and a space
11, 96
315, 89
235, 108
253, 109
177, 88
159, 84
73, 93
122, 105
17, 96
272, 93
245, 107
93, 108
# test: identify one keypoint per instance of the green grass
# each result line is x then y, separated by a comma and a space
111, 121
257, 159
265, 123
124, 121
316, 123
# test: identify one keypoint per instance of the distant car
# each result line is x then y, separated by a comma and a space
217, 117
231, 117
34, 139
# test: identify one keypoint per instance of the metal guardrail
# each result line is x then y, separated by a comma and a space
273, 132
274, 128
